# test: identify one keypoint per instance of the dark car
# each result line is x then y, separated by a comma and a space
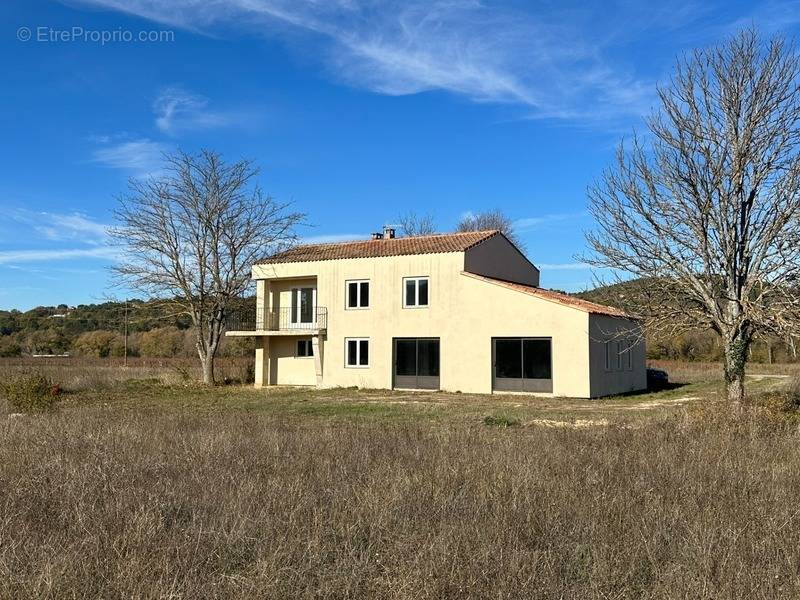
657, 379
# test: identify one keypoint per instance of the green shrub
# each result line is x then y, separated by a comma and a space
30, 392
500, 421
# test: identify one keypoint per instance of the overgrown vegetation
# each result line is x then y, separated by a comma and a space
157, 488
252, 504
29, 392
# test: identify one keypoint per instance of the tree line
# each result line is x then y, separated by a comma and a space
99, 330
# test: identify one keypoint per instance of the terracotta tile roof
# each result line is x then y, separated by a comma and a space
565, 299
427, 244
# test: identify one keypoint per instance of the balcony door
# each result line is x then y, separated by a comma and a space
416, 363
304, 305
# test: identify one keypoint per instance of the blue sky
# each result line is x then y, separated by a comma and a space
356, 110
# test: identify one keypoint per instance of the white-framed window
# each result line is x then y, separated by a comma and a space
416, 292
356, 294
305, 349
304, 303
356, 352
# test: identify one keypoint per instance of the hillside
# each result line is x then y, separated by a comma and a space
96, 329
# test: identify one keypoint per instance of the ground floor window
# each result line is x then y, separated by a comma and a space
305, 348
619, 354
523, 364
356, 352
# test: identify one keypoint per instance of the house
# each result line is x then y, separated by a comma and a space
456, 312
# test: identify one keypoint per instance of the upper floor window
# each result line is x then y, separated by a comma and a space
358, 294
415, 292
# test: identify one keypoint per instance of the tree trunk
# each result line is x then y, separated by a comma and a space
208, 369
735, 359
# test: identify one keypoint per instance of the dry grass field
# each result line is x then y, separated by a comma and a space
140, 485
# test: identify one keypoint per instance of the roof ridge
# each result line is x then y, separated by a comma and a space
438, 243
407, 237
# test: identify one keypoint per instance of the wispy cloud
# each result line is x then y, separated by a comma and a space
140, 157
87, 237
74, 226
17, 256
532, 223
178, 110
552, 64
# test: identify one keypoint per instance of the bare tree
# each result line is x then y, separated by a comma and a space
705, 209
411, 224
490, 219
191, 236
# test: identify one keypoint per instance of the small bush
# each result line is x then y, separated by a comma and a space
500, 421
30, 392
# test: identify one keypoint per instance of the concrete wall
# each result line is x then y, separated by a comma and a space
499, 258
604, 382
464, 312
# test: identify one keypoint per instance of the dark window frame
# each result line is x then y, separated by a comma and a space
307, 352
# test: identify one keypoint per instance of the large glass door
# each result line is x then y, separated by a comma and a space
416, 363
522, 364
304, 302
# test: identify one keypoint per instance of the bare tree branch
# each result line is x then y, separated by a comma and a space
411, 224
490, 219
705, 211
191, 237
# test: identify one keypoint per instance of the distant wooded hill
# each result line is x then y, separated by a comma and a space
697, 345
99, 330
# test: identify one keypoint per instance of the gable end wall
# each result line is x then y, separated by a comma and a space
498, 258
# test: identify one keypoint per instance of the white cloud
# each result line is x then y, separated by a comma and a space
17, 256
140, 157
552, 63
178, 110
71, 227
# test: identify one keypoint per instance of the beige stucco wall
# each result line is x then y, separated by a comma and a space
285, 367
464, 312
605, 382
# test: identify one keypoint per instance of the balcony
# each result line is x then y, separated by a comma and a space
289, 320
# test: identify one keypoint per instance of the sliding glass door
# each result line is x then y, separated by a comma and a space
416, 363
522, 364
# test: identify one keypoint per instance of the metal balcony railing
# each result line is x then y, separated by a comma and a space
289, 318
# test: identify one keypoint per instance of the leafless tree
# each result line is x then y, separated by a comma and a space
412, 224
490, 219
704, 210
191, 236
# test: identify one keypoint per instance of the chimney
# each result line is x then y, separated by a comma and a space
388, 232
377, 236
